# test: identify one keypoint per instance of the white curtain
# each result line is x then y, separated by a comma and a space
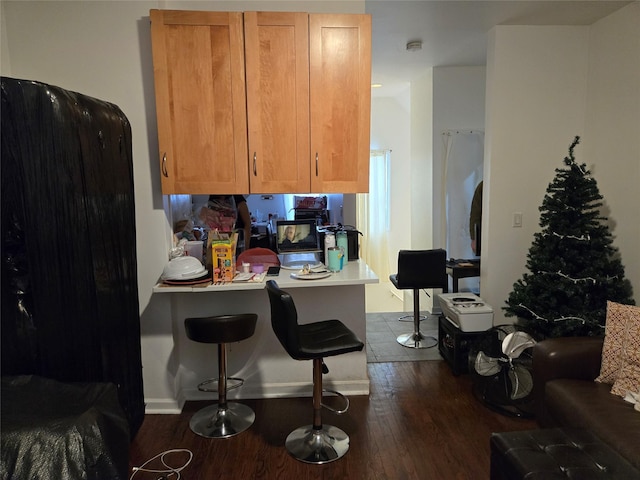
464, 158
372, 215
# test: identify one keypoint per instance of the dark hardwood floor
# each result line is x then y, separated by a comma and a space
419, 422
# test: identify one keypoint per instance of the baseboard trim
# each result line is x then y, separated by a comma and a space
163, 406
167, 406
280, 390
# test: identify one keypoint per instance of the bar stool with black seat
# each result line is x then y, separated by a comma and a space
223, 419
418, 269
317, 443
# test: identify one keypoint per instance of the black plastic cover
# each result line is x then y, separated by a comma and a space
69, 275
54, 431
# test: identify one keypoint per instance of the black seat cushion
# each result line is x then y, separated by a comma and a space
421, 269
221, 328
325, 339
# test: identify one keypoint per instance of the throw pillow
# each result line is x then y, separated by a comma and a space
621, 349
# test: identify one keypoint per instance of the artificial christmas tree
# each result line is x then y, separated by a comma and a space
574, 268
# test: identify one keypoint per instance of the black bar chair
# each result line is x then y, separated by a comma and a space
418, 269
223, 419
316, 443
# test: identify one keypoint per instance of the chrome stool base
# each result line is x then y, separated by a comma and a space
216, 422
416, 340
317, 446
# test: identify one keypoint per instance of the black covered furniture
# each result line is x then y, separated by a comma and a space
556, 453
315, 443
223, 419
53, 430
70, 308
418, 269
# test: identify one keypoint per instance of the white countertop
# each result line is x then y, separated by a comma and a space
355, 272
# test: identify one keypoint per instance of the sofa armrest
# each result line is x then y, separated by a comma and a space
567, 357
576, 358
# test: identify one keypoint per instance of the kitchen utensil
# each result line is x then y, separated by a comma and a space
183, 268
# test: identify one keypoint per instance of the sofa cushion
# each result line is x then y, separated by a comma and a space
589, 405
621, 349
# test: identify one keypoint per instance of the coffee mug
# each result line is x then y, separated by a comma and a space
335, 259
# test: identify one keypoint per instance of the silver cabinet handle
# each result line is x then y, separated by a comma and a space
164, 165
255, 166
316, 164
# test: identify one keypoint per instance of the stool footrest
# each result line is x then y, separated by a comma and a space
409, 318
204, 386
335, 410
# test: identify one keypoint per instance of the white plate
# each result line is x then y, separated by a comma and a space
299, 265
310, 276
196, 281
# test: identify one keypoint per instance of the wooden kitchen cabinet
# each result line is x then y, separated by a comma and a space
308, 101
277, 66
340, 102
288, 113
198, 66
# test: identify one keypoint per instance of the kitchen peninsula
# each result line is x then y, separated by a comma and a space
261, 361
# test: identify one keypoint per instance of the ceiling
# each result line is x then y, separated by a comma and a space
454, 32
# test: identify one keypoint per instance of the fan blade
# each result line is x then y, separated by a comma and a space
515, 343
485, 365
521, 382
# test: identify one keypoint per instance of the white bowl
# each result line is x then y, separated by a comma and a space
183, 268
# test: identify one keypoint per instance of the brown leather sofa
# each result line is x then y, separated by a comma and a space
567, 396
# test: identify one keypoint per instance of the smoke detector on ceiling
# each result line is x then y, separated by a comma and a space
414, 46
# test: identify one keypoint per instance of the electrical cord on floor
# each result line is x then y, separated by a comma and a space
169, 471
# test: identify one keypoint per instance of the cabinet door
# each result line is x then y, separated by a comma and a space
198, 61
277, 71
340, 100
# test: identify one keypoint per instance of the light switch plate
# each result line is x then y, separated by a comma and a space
517, 220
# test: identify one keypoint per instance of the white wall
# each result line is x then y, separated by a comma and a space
390, 129
458, 104
421, 205
611, 144
544, 86
103, 49
422, 161
535, 106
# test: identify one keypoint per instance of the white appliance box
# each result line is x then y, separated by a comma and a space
467, 311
